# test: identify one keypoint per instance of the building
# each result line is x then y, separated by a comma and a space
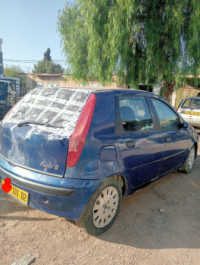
174, 96
59, 80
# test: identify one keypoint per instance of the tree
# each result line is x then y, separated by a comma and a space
47, 66
13, 71
141, 41
47, 56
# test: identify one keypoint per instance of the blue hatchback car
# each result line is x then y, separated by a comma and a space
76, 152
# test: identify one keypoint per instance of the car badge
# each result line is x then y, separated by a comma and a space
49, 166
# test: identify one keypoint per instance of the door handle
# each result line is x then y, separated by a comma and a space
130, 144
168, 139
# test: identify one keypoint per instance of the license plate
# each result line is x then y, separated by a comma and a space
17, 193
192, 113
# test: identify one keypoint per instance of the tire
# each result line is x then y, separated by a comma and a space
102, 208
189, 162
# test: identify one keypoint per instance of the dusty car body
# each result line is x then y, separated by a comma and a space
76, 152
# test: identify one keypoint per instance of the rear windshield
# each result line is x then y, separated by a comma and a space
53, 108
191, 104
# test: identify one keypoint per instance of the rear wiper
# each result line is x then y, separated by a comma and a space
24, 123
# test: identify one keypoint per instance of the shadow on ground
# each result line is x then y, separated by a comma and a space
9, 206
165, 214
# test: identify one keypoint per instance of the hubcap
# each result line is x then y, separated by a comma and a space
191, 159
105, 207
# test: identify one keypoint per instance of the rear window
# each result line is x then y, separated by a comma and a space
191, 104
135, 114
57, 109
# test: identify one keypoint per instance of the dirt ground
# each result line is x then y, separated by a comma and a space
157, 225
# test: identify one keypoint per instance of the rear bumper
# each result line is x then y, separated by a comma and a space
37, 187
63, 197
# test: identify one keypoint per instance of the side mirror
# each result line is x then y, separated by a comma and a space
184, 125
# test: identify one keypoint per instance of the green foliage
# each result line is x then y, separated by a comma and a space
13, 71
142, 41
47, 66
47, 56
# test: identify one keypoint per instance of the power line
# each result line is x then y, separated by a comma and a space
31, 61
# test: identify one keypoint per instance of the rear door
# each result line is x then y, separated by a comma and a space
140, 143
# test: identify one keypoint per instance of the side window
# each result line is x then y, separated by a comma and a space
186, 104
135, 114
167, 117
195, 104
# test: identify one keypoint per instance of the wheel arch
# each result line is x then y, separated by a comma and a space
122, 181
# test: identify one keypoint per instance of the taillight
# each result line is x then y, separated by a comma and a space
6, 116
78, 138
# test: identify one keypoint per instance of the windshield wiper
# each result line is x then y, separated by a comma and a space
24, 123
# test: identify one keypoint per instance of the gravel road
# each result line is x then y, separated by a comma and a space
157, 225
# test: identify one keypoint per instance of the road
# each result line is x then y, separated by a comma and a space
159, 225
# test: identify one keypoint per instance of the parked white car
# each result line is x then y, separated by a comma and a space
190, 110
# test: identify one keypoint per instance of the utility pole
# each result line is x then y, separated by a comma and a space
1, 59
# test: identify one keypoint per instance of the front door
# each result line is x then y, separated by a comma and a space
175, 138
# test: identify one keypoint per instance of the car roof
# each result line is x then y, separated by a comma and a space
126, 91
115, 90
104, 89
191, 98
98, 89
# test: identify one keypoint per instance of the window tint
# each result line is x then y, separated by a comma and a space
167, 117
135, 114
186, 104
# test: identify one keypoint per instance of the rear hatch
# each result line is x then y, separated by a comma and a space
35, 134
190, 110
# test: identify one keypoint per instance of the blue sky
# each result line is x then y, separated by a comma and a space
28, 28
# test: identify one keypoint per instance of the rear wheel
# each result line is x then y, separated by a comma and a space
188, 165
103, 207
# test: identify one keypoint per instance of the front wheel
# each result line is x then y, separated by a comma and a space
188, 165
102, 208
